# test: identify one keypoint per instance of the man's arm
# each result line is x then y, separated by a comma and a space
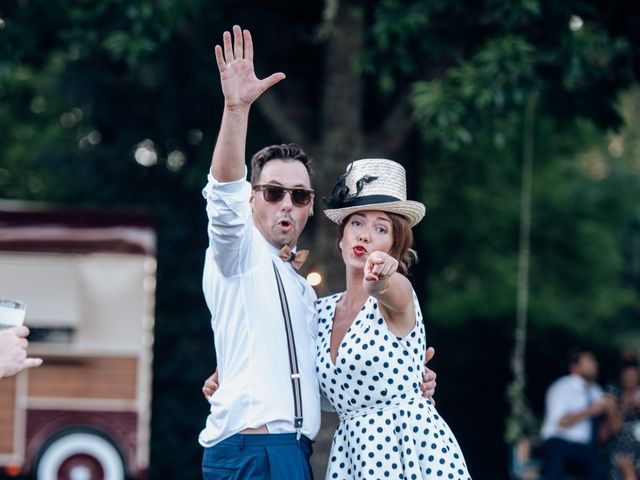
13, 351
240, 88
596, 409
427, 387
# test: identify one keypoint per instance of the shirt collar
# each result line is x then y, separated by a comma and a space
272, 248
578, 380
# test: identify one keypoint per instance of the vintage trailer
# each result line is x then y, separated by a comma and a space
88, 278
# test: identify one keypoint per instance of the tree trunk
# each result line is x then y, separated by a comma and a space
516, 391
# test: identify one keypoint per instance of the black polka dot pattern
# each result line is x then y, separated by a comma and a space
387, 430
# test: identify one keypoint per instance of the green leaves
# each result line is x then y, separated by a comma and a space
440, 114
392, 43
123, 46
490, 85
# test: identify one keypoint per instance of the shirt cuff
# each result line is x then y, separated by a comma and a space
233, 187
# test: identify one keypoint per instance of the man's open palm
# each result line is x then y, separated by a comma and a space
240, 85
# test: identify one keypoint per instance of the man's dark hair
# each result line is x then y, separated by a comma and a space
285, 151
575, 353
630, 360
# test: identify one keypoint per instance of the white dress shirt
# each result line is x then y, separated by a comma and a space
569, 394
248, 327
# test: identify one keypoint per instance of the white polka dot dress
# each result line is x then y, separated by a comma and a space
387, 429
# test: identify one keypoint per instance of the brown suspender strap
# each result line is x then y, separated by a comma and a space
293, 359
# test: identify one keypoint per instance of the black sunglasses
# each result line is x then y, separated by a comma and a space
274, 193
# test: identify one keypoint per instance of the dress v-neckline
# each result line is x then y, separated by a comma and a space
334, 362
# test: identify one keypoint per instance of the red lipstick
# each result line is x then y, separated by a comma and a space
359, 250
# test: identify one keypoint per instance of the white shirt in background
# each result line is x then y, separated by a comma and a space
569, 394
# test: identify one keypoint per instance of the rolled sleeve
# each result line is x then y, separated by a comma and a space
230, 221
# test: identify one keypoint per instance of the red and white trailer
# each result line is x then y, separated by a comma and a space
88, 279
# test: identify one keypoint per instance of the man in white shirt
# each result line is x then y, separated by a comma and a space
250, 432
574, 404
258, 427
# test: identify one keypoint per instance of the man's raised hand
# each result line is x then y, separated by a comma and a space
240, 85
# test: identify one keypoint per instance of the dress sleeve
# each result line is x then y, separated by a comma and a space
229, 227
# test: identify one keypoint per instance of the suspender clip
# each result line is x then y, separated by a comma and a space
297, 423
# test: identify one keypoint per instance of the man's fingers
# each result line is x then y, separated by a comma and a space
248, 45
428, 356
428, 385
429, 376
271, 80
238, 54
228, 51
209, 387
222, 65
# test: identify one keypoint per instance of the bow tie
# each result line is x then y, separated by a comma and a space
296, 258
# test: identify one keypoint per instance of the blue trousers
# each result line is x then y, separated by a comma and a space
258, 457
560, 456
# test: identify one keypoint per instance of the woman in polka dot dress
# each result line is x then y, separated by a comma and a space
371, 339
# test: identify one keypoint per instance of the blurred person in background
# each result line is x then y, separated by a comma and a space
13, 351
574, 406
623, 427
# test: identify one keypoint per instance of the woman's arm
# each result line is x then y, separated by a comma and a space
392, 290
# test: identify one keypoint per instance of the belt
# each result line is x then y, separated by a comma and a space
378, 408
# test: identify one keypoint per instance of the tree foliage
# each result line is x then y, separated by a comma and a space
87, 88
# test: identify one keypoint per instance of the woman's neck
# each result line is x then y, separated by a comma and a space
354, 294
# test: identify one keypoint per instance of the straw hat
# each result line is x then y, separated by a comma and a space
372, 184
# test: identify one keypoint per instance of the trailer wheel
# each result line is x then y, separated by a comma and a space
80, 456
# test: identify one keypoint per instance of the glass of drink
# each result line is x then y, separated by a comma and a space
11, 313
